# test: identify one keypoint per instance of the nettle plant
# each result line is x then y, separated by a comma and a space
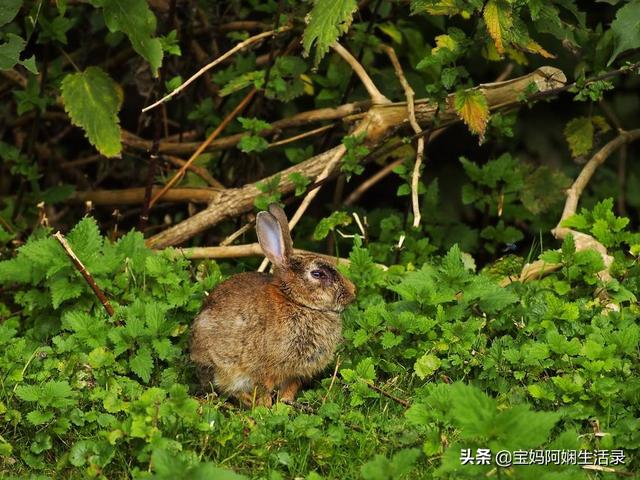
477, 333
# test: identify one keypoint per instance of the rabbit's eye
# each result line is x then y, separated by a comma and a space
318, 273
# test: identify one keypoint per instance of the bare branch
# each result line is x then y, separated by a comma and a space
240, 251
171, 145
180, 173
377, 123
85, 273
376, 97
410, 94
331, 164
221, 58
134, 196
295, 138
583, 241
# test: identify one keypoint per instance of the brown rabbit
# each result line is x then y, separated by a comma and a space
257, 331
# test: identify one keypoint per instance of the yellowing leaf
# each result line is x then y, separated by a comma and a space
92, 101
534, 47
497, 17
579, 135
444, 7
473, 109
444, 42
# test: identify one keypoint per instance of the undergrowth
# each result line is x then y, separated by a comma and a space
437, 358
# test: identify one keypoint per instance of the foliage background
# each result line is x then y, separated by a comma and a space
440, 353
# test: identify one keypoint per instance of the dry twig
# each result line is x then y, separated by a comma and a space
204, 145
85, 273
376, 97
331, 164
209, 66
583, 241
410, 95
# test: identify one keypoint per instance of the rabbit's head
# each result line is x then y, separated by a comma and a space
309, 280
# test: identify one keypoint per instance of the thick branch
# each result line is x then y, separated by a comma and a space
135, 196
300, 119
583, 241
235, 201
377, 123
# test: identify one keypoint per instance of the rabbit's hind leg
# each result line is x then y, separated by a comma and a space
289, 388
259, 396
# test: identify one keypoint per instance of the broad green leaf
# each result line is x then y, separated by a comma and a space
136, 20
473, 109
36, 417
426, 365
325, 23
626, 29
8, 10
497, 17
579, 135
92, 100
10, 51
142, 364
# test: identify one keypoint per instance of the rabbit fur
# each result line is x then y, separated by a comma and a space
259, 331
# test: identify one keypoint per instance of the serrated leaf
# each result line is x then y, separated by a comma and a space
92, 101
36, 417
8, 10
64, 289
142, 364
325, 23
28, 393
85, 239
579, 135
498, 19
136, 20
626, 29
473, 109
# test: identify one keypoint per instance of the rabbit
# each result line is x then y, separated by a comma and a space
258, 331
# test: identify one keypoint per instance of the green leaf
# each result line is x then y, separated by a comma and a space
579, 135
252, 143
142, 364
28, 393
136, 21
8, 10
626, 29
256, 125
10, 51
329, 224
325, 23
85, 239
36, 417
93, 100
426, 365
63, 288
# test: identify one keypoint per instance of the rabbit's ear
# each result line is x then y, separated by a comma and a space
281, 217
271, 238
